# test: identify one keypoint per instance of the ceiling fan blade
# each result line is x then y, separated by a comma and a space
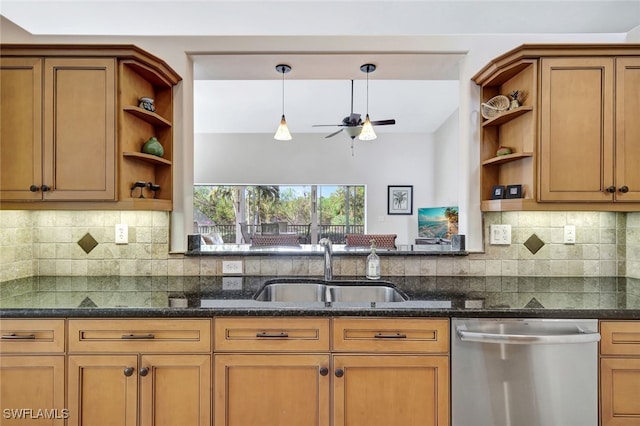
333, 134
327, 125
383, 122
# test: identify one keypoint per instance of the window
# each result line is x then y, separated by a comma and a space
310, 211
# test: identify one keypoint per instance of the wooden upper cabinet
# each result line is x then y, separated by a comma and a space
20, 128
576, 129
79, 128
72, 129
575, 138
628, 129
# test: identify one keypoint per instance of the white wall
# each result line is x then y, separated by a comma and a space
407, 159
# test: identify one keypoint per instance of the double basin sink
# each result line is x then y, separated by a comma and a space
317, 290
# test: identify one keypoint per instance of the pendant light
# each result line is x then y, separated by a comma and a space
283, 134
367, 133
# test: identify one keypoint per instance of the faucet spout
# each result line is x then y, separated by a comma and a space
328, 258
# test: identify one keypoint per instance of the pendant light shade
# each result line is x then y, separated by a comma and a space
283, 134
367, 133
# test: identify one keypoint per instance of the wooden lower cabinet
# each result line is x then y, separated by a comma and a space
286, 372
272, 389
620, 373
382, 390
157, 383
32, 390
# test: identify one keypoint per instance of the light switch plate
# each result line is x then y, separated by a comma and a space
122, 233
500, 234
569, 234
232, 267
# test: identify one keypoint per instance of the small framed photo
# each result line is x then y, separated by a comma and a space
400, 199
497, 192
514, 191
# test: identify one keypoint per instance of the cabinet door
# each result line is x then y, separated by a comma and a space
32, 390
620, 387
20, 128
79, 128
175, 390
272, 390
102, 390
628, 129
383, 390
576, 133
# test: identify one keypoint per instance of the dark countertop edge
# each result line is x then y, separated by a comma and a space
619, 314
293, 252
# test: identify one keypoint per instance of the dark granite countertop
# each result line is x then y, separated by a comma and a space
207, 296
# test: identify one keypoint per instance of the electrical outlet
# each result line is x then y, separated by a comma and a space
122, 233
232, 266
232, 283
500, 235
569, 234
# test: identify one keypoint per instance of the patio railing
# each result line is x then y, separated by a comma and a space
336, 233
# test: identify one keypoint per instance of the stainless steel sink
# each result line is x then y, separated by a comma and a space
292, 290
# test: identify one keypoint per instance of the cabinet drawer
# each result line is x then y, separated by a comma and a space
271, 334
391, 335
31, 336
140, 335
620, 337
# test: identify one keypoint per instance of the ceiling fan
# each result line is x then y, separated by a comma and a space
352, 124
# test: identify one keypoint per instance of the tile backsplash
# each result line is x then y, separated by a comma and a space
45, 243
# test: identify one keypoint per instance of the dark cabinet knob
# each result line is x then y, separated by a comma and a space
128, 371
144, 371
324, 371
624, 189
611, 189
339, 372
45, 188
34, 188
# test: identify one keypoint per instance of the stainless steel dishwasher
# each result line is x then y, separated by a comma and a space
524, 372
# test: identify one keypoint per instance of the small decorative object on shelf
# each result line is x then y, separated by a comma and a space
503, 150
515, 99
138, 184
155, 188
147, 103
494, 106
514, 191
153, 147
497, 192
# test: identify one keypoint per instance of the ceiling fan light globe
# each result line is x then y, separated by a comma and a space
367, 133
353, 131
283, 133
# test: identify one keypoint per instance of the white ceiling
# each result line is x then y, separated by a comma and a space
242, 92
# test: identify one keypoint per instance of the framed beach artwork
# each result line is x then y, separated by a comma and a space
438, 222
400, 199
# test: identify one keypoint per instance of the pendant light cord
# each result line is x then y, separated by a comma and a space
283, 93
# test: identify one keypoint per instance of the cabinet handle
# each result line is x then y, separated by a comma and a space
34, 188
611, 189
624, 189
339, 372
144, 371
128, 371
138, 336
390, 336
45, 188
264, 334
324, 371
14, 336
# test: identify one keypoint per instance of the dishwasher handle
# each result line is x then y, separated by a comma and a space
580, 336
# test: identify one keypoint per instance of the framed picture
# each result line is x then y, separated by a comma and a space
497, 192
435, 223
514, 191
400, 199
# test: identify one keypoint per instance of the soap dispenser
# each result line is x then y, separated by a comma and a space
373, 263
